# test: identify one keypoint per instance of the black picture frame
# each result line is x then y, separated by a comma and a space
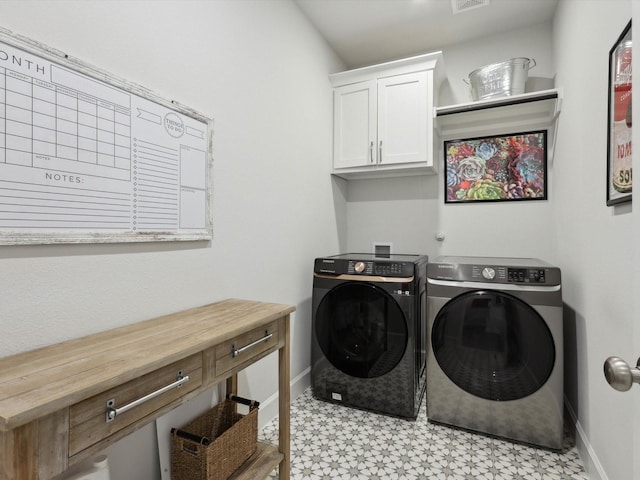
619, 160
496, 168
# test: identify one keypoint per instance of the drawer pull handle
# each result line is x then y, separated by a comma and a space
237, 351
113, 412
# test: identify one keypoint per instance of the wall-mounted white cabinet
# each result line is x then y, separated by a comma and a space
383, 118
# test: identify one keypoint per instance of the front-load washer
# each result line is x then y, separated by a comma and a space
495, 355
369, 332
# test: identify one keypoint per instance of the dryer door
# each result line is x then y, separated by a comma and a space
361, 329
493, 345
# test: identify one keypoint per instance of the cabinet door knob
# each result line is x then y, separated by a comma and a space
380, 152
371, 151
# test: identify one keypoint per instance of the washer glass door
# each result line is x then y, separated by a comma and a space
493, 345
361, 329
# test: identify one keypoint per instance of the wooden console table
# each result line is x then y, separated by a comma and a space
64, 403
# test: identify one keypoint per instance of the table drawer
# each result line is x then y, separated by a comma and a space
246, 347
88, 423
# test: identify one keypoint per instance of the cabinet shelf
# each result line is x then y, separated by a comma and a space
528, 111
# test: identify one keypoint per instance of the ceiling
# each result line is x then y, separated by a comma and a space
366, 32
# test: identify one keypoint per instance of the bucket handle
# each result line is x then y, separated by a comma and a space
532, 63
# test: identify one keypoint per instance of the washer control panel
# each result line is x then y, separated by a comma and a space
383, 269
364, 268
392, 269
380, 268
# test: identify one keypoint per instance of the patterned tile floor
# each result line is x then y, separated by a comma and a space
335, 442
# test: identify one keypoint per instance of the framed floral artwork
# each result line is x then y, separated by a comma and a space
496, 168
619, 160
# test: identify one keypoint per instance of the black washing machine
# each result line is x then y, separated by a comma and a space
369, 332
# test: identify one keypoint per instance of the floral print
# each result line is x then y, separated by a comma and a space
509, 167
471, 168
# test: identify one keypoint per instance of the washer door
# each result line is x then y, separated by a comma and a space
493, 345
361, 329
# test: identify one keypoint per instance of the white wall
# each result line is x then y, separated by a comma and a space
594, 242
261, 71
532, 42
410, 211
401, 211
508, 229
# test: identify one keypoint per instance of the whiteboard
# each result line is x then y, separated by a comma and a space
88, 157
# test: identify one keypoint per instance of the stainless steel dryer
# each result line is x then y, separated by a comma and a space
369, 332
495, 357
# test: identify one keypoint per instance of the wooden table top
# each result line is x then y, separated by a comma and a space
42, 381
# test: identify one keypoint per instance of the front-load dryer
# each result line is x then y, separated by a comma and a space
369, 332
495, 355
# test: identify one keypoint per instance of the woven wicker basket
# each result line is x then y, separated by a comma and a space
216, 444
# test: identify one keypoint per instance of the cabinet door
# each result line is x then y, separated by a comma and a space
354, 129
403, 118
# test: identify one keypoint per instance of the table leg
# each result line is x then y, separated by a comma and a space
232, 385
284, 403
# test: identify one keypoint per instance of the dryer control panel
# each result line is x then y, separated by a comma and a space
526, 275
508, 274
492, 270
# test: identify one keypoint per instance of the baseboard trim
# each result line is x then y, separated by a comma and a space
587, 454
269, 407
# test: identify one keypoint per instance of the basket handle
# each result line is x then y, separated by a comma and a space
250, 403
190, 436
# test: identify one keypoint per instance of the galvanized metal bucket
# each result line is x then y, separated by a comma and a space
500, 79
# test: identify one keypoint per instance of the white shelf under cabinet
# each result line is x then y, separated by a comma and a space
516, 113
